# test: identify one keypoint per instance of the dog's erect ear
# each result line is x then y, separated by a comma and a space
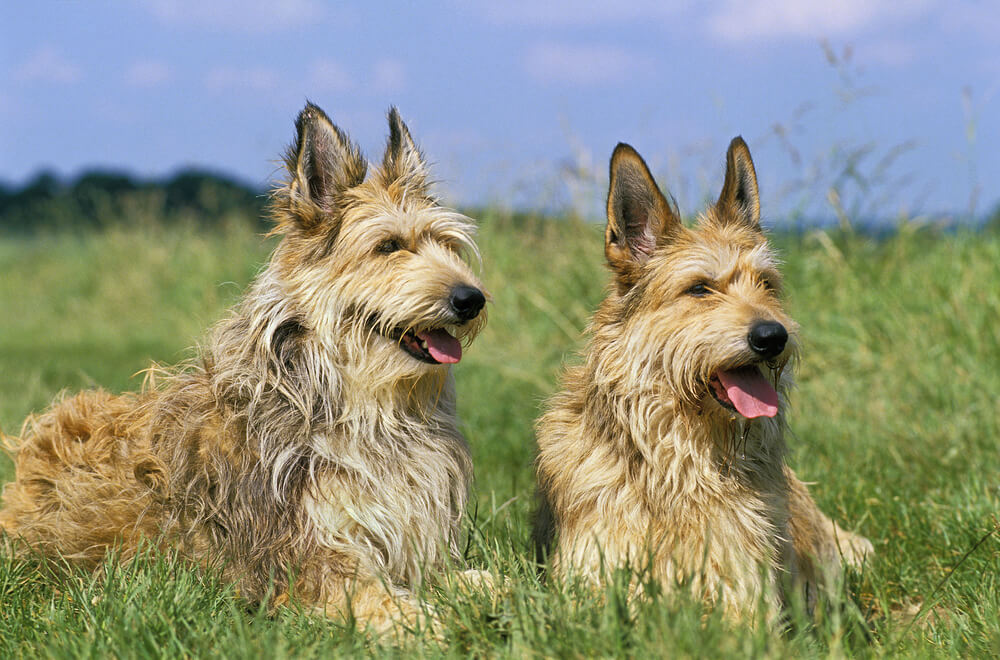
322, 164
403, 163
740, 199
639, 216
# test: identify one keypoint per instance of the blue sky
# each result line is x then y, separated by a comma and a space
520, 103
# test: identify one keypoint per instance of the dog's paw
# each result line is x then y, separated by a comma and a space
854, 548
475, 580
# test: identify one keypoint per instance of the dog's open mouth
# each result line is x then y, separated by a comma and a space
744, 390
436, 346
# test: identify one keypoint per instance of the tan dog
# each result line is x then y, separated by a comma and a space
667, 444
315, 436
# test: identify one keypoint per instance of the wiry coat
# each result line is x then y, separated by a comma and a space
303, 441
638, 464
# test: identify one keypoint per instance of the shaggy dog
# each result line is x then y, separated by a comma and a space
666, 446
312, 447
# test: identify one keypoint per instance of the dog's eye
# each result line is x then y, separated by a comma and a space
699, 290
388, 246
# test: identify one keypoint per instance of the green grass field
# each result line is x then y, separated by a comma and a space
896, 419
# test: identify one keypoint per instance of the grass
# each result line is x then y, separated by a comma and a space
896, 420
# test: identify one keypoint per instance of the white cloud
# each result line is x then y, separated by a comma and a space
550, 13
148, 73
750, 20
250, 16
327, 75
255, 79
47, 64
577, 64
389, 75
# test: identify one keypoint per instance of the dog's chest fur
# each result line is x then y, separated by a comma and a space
730, 501
665, 490
392, 503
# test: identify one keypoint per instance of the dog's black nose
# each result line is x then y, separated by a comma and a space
768, 338
467, 301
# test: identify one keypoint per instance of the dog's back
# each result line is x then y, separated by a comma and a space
87, 479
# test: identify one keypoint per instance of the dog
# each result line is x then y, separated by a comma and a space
312, 447
665, 448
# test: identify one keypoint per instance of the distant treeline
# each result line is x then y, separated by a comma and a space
100, 199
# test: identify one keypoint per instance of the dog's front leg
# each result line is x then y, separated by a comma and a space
820, 544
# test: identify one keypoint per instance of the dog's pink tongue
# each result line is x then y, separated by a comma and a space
749, 392
442, 346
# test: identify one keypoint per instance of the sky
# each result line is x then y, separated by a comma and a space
892, 105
